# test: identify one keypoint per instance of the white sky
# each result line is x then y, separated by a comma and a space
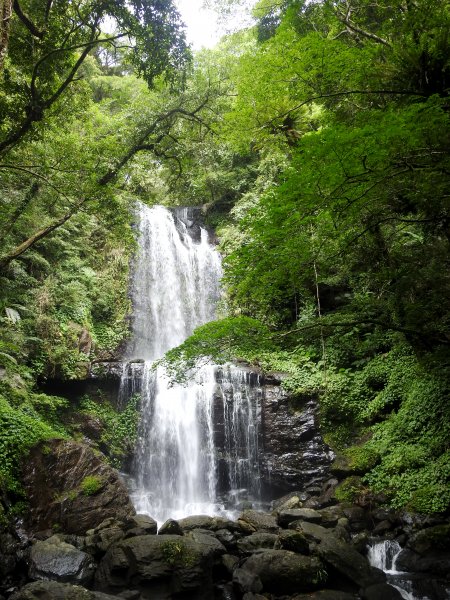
201, 24
202, 28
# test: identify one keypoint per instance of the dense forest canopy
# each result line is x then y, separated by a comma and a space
316, 142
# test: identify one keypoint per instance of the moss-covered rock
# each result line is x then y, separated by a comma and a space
56, 476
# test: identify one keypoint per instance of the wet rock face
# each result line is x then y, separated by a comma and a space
295, 455
72, 489
56, 560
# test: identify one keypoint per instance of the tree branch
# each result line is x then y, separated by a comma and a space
349, 324
345, 19
27, 21
5, 18
33, 174
143, 144
32, 240
37, 106
343, 93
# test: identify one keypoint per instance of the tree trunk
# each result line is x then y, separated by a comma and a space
5, 16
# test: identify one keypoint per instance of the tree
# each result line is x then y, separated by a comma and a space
50, 41
153, 130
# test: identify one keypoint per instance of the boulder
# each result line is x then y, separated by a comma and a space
341, 555
431, 539
141, 525
292, 540
380, 590
53, 590
325, 595
382, 527
304, 514
228, 538
208, 540
311, 531
230, 563
330, 516
97, 543
72, 488
360, 541
205, 522
256, 541
253, 520
289, 501
170, 527
56, 560
326, 496
435, 562
282, 572
357, 518
342, 467
158, 564
247, 582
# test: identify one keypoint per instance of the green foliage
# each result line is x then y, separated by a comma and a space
350, 490
119, 428
19, 431
90, 485
219, 342
414, 467
329, 185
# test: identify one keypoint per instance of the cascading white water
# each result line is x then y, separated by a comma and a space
383, 555
175, 283
176, 470
175, 288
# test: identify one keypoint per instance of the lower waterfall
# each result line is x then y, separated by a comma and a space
383, 555
197, 448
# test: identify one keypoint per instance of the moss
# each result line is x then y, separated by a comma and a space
350, 489
177, 554
91, 485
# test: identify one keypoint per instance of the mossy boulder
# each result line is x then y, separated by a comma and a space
159, 564
431, 539
71, 488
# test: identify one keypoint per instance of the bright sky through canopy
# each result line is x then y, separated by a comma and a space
202, 26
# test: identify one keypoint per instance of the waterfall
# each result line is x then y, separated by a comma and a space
197, 444
383, 555
175, 284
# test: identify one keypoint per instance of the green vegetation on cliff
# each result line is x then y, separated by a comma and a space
316, 142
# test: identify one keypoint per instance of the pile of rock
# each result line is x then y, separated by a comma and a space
288, 554
87, 543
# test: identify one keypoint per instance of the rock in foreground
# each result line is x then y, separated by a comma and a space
71, 488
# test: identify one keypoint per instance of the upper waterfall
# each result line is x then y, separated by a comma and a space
176, 282
197, 442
